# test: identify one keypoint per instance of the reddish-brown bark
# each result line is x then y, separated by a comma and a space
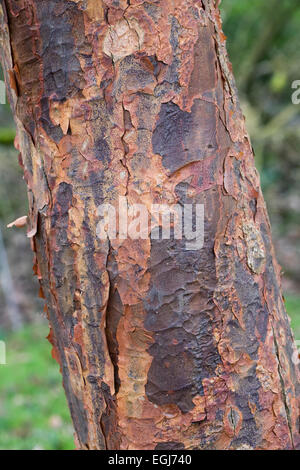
160, 347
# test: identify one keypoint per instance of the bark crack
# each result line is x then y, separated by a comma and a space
287, 410
103, 430
109, 349
125, 146
232, 419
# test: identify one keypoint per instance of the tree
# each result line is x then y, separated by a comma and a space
159, 346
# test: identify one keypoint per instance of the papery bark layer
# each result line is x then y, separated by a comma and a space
160, 347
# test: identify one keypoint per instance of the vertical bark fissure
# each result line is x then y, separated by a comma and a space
282, 384
232, 418
111, 349
104, 432
126, 116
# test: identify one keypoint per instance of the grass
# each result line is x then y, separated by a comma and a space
7, 135
33, 409
292, 303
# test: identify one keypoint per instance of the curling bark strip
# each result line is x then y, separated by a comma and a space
159, 347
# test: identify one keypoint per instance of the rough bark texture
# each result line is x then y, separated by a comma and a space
160, 347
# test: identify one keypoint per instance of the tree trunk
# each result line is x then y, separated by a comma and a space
160, 347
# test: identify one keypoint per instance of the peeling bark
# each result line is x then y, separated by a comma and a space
159, 347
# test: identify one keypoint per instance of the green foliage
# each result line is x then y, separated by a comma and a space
292, 304
261, 39
13, 198
33, 410
264, 50
7, 135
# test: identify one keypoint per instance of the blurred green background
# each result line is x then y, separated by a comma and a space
264, 47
